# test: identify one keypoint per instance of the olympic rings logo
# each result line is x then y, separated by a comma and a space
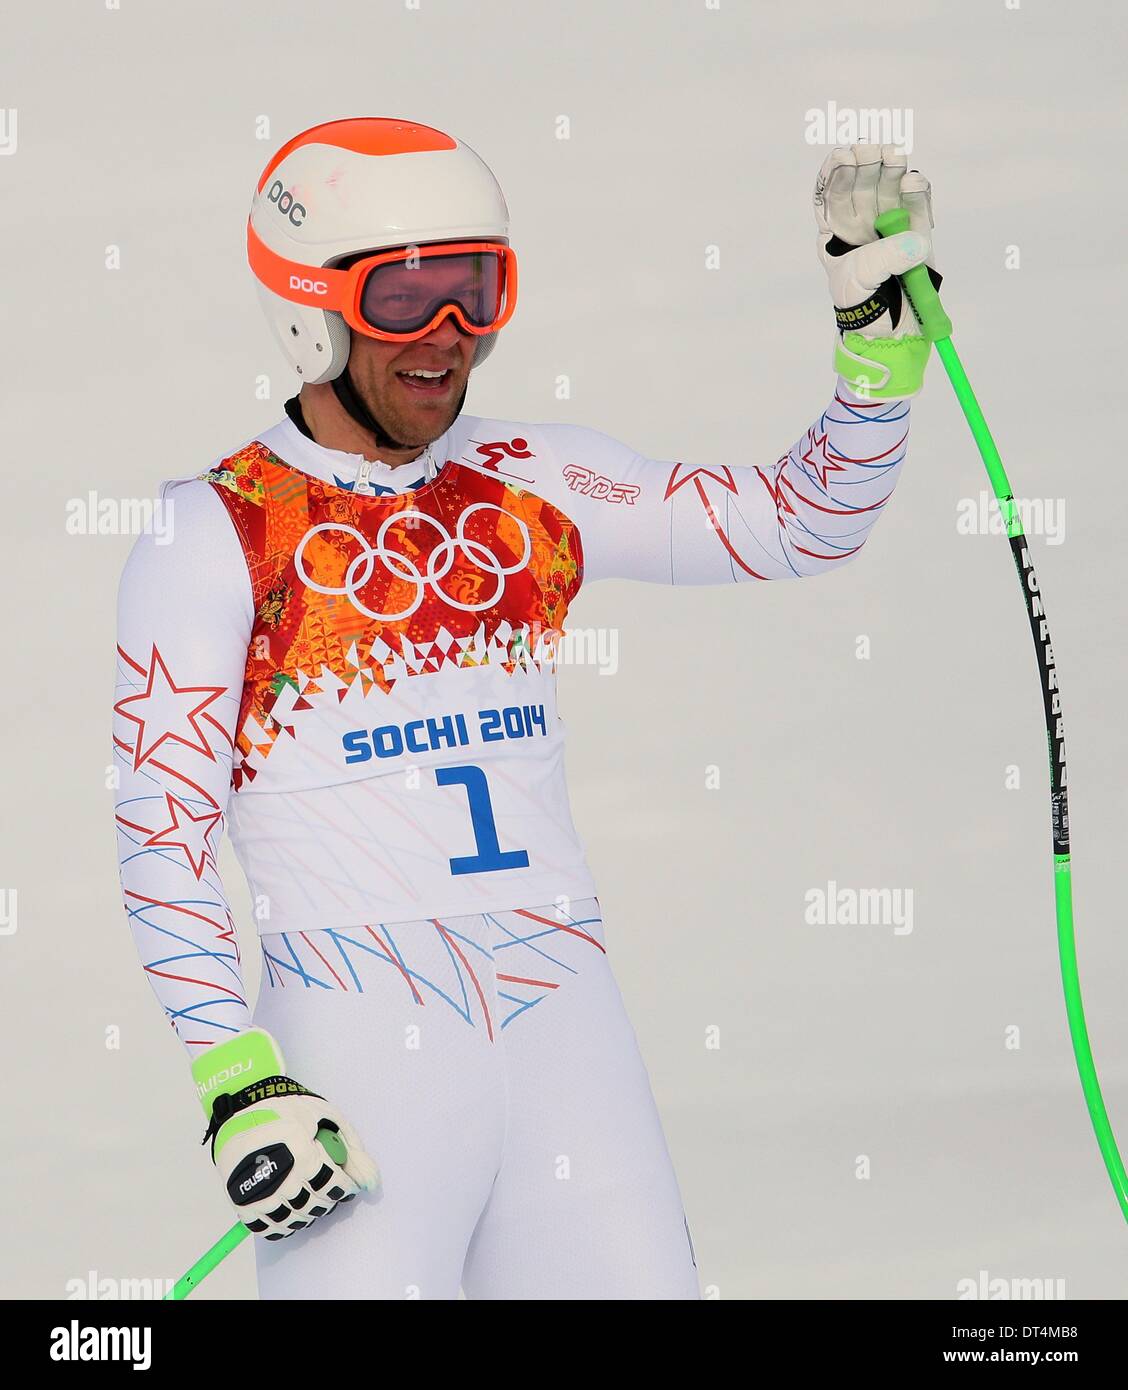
397, 565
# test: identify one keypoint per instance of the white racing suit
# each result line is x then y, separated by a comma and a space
352, 668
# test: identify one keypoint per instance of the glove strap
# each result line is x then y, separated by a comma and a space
231, 1065
236, 1075
882, 368
867, 312
228, 1104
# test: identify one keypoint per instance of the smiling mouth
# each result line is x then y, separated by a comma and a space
421, 382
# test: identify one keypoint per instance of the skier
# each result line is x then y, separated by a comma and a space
347, 656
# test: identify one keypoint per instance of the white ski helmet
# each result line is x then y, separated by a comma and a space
368, 184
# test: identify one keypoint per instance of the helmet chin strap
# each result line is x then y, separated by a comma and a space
345, 391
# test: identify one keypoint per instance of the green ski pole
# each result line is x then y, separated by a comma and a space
206, 1263
333, 1145
938, 328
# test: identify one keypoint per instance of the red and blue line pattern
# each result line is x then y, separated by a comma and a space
827, 492
490, 968
815, 507
173, 759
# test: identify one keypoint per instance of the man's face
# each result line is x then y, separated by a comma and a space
413, 409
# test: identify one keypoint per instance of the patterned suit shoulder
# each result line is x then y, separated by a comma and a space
266, 500
245, 473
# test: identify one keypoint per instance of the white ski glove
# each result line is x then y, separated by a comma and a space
881, 350
285, 1154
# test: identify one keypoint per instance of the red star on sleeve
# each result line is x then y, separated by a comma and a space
826, 462
189, 833
167, 712
693, 473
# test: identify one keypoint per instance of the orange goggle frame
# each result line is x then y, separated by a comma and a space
343, 291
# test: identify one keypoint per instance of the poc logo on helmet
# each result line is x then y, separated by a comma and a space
308, 286
284, 201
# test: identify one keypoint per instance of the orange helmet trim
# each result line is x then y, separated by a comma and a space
365, 135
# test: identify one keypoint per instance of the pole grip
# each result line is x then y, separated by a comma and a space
333, 1145
920, 289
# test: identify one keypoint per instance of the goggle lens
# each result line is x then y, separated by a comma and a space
404, 296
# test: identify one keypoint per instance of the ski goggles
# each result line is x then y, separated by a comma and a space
402, 295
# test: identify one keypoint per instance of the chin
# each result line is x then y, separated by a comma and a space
430, 421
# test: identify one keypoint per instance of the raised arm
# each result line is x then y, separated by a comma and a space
184, 621
733, 520
727, 522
